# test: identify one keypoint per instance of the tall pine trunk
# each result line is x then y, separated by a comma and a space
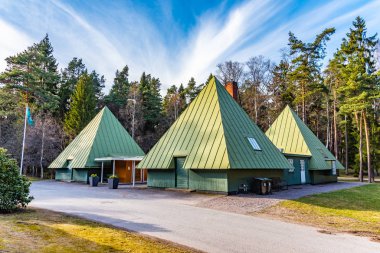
368, 147
255, 100
328, 123
335, 128
346, 143
359, 121
303, 104
42, 148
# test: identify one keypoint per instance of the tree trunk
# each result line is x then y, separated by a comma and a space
328, 123
360, 149
255, 105
346, 143
303, 105
331, 138
368, 147
317, 125
335, 128
42, 149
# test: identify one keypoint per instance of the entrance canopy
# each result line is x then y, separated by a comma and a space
119, 158
113, 159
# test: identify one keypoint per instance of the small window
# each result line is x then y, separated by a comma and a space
254, 143
291, 161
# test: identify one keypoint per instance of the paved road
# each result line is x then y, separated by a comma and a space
173, 216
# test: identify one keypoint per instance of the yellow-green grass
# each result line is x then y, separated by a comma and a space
33, 179
37, 230
355, 210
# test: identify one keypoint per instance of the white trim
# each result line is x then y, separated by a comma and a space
303, 171
119, 158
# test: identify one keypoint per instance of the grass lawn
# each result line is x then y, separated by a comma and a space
33, 179
355, 210
37, 230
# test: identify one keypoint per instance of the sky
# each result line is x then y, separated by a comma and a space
173, 40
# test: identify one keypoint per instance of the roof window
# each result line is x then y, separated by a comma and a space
254, 143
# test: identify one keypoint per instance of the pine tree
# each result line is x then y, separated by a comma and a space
305, 67
191, 90
119, 93
69, 78
149, 89
34, 74
82, 107
356, 56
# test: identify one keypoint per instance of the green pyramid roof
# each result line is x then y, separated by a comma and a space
103, 136
289, 133
213, 134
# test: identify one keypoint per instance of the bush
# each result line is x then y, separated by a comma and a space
14, 189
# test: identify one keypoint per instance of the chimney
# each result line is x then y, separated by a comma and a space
232, 88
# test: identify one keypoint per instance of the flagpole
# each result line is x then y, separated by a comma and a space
23, 141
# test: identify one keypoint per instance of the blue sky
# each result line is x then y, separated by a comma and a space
173, 40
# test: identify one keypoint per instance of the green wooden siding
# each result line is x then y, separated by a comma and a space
294, 178
63, 174
208, 180
182, 174
212, 133
322, 176
80, 175
161, 178
238, 177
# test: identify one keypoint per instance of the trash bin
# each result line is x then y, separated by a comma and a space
262, 185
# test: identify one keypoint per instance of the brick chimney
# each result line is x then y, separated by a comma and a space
232, 88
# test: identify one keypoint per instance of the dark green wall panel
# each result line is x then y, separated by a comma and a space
294, 178
208, 180
161, 178
63, 174
238, 177
322, 176
80, 175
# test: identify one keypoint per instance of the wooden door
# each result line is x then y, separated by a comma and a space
182, 174
124, 171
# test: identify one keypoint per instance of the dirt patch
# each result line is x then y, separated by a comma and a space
241, 204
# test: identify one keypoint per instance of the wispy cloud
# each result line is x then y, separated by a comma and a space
108, 35
13, 41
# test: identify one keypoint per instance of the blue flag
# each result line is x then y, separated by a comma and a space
29, 117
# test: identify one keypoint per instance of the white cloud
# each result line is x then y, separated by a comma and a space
12, 41
107, 39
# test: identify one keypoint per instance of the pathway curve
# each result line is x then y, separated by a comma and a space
173, 216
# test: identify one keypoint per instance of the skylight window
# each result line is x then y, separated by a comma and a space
254, 143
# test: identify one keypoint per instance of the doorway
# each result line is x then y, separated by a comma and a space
303, 172
181, 174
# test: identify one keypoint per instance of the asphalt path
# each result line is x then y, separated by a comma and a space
173, 216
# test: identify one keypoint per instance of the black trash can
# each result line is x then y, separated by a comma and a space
262, 185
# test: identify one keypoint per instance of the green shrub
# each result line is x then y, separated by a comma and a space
14, 189
93, 175
113, 176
